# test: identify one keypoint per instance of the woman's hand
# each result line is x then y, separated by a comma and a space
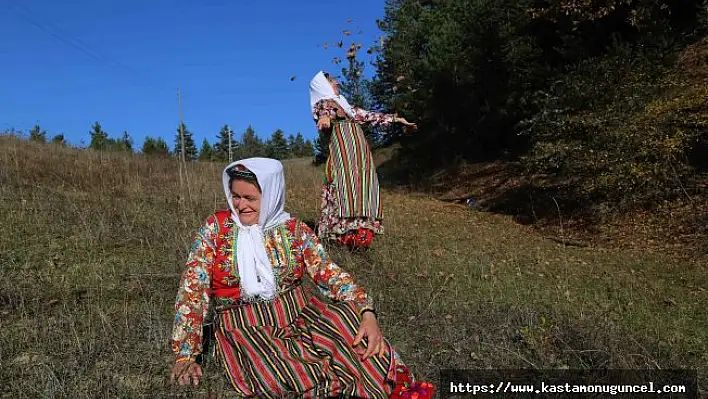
182, 372
324, 123
404, 122
369, 329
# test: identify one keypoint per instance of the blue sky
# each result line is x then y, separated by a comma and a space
125, 60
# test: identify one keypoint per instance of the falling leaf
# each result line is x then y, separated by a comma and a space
394, 88
346, 32
349, 20
292, 78
400, 78
326, 45
336, 60
340, 44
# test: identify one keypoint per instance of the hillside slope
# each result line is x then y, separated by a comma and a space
94, 245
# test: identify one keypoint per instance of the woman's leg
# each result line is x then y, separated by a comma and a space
351, 208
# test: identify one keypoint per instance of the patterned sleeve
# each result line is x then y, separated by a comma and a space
324, 108
332, 281
193, 293
373, 118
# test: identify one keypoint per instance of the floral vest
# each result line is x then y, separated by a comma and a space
287, 258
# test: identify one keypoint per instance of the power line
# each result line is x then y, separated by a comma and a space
24, 13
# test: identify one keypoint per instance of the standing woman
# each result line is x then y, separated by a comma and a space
351, 204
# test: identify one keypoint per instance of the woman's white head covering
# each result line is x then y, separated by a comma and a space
254, 267
321, 89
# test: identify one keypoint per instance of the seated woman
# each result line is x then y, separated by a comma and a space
273, 336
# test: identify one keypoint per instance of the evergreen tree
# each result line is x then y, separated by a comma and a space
321, 147
299, 147
221, 148
161, 147
308, 149
59, 139
190, 149
37, 134
149, 146
126, 142
155, 147
99, 138
206, 153
277, 146
251, 144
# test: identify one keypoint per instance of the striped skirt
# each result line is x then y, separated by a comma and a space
299, 346
351, 194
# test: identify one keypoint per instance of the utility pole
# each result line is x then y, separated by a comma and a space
183, 163
181, 124
230, 133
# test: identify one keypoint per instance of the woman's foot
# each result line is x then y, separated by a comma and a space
357, 240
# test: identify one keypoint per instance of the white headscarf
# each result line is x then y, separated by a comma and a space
321, 89
254, 266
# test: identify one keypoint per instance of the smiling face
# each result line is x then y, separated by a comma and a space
247, 201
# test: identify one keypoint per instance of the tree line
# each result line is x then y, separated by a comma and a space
602, 101
225, 148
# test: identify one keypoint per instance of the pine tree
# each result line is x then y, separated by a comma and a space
59, 139
37, 134
149, 146
190, 149
126, 142
155, 147
321, 147
221, 148
206, 153
251, 144
292, 147
277, 146
99, 138
308, 149
300, 149
161, 147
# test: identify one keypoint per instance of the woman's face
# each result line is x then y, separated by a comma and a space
334, 83
247, 201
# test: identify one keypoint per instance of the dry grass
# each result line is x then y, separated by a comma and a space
93, 245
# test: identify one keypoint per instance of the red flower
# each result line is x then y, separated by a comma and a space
417, 390
407, 389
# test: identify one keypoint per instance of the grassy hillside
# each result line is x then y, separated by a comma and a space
93, 246
647, 191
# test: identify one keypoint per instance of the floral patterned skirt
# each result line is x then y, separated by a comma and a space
353, 232
351, 209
